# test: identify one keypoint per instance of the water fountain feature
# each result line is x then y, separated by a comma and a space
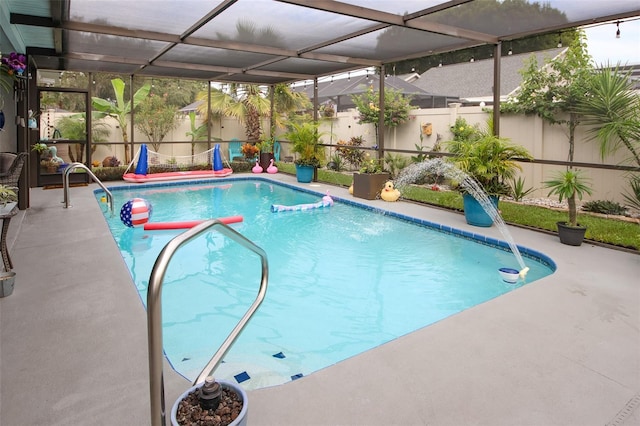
439, 167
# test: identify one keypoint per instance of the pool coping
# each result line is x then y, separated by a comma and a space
559, 351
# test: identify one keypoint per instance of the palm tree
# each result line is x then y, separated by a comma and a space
73, 127
249, 103
246, 102
612, 109
489, 159
286, 101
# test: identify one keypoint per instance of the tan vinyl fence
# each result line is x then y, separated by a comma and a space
546, 143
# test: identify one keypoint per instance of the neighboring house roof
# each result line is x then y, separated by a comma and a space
474, 80
634, 74
191, 107
410, 77
340, 91
360, 84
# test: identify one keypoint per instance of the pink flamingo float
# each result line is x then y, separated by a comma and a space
257, 168
272, 169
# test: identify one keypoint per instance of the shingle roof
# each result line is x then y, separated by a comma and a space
475, 79
340, 91
360, 84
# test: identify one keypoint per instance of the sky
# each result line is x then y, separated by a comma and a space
604, 47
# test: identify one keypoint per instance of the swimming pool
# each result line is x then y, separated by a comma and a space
343, 279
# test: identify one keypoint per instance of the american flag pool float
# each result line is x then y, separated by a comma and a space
135, 212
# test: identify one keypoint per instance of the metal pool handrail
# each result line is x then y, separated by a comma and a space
154, 312
65, 184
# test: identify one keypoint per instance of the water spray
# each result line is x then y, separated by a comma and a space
437, 166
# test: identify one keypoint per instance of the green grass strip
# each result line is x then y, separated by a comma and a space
609, 231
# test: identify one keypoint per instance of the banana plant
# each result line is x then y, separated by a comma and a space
197, 133
120, 109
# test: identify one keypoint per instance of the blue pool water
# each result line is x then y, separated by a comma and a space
343, 279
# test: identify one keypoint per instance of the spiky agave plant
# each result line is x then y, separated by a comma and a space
633, 197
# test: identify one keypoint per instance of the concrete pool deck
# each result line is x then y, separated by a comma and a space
563, 350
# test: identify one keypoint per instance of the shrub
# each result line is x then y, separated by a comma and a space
396, 107
517, 189
336, 163
604, 207
349, 152
109, 173
395, 163
463, 131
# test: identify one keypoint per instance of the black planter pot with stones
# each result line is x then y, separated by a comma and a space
225, 405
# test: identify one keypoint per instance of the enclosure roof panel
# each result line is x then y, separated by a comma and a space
276, 41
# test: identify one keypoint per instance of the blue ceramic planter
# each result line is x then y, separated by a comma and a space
304, 173
474, 212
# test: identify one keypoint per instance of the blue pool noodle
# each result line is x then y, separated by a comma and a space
217, 159
141, 167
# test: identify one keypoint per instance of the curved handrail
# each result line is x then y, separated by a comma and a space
154, 312
65, 184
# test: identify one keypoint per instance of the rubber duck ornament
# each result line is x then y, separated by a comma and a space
389, 193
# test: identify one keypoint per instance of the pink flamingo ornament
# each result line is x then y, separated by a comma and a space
257, 168
272, 169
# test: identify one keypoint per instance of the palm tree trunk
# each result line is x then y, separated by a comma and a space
253, 124
573, 214
573, 123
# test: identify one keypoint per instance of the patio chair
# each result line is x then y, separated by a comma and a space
10, 167
276, 151
235, 149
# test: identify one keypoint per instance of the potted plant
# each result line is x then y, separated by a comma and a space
305, 139
266, 152
491, 161
39, 147
50, 165
8, 199
224, 400
249, 151
569, 185
370, 179
328, 110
